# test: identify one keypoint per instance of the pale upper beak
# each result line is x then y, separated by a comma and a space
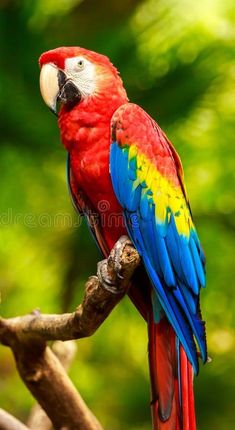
56, 87
49, 85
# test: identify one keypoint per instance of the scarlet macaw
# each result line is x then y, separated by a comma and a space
119, 156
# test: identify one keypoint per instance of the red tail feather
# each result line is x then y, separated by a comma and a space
172, 384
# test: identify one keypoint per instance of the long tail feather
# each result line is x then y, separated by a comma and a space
171, 379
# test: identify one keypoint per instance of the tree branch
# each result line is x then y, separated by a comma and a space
100, 298
8, 422
39, 368
65, 352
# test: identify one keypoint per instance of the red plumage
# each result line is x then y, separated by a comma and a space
86, 134
166, 413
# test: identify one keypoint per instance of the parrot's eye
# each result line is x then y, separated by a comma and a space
80, 64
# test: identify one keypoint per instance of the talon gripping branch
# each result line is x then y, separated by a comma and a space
119, 154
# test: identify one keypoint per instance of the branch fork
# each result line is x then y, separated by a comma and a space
39, 367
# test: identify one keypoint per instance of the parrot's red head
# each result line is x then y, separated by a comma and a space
71, 75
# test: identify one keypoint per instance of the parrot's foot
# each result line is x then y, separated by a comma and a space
116, 254
106, 278
109, 271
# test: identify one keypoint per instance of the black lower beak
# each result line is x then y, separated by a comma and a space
69, 95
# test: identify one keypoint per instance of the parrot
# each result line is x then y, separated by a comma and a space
125, 173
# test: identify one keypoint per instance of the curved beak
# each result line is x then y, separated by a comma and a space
56, 87
49, 85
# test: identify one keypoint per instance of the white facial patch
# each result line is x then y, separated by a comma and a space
82, 73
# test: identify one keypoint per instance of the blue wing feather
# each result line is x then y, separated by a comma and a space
199, 265
173, 262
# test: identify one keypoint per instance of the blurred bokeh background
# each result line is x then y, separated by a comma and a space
177, 59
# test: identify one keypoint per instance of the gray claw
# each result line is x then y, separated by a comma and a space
118, 250
103, 275
104, 278
114, 259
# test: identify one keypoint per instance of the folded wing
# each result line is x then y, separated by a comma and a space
147, 178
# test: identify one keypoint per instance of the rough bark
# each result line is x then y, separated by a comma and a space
38, 366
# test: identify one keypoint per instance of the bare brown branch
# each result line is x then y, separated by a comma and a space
65, 352
98, 302
47, 380
39, 368
8, 422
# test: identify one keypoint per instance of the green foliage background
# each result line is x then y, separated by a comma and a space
176, 58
